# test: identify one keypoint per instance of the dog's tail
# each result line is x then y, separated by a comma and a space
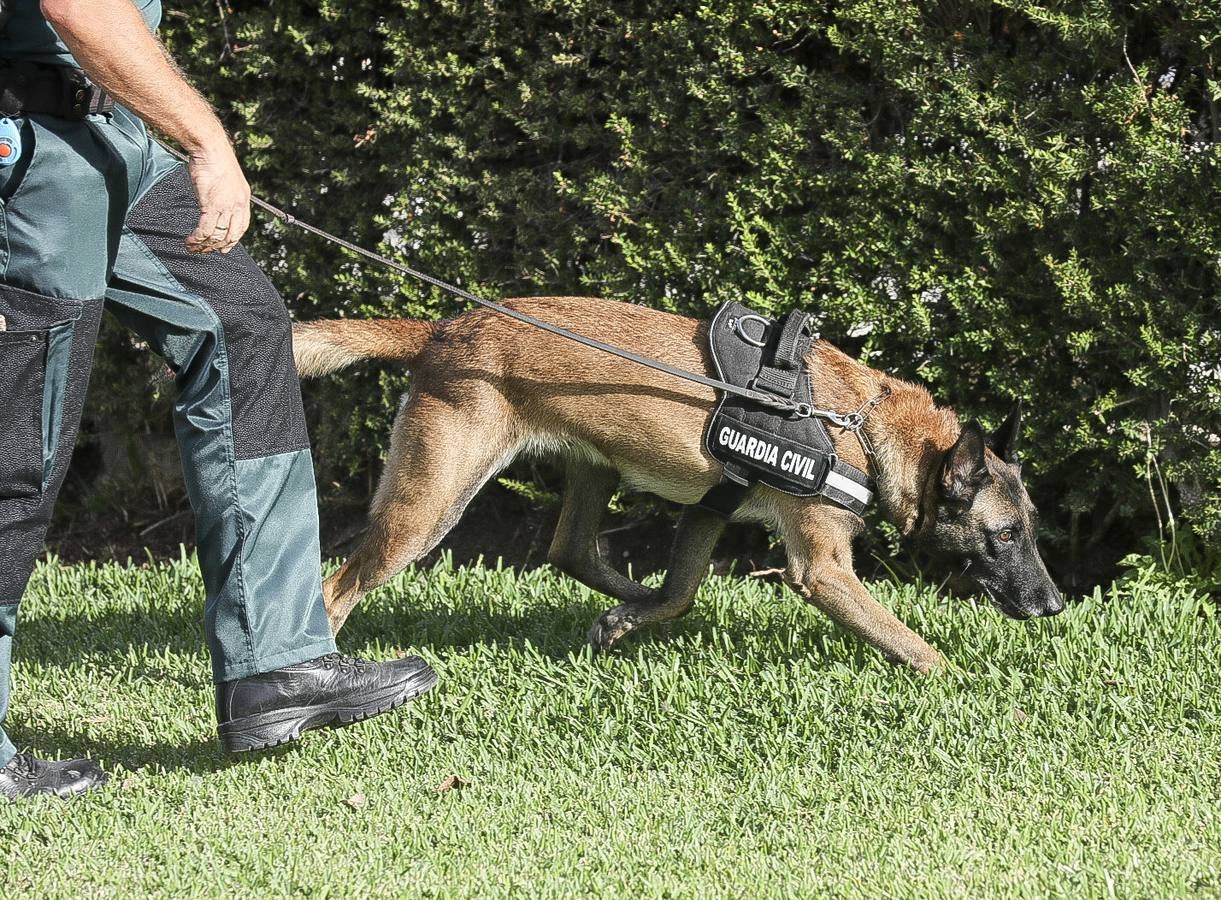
328, 345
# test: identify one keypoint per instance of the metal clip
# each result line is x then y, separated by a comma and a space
736, 325
834, 418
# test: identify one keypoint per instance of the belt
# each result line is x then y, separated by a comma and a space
62, 91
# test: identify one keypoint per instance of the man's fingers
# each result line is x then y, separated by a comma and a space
220, 234
237, 227
201, 238
227, 228
219, 229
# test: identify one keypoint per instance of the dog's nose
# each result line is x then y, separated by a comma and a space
1054, 605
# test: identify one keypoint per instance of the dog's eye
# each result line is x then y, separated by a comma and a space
1005, 536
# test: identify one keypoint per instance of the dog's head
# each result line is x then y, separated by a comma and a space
978, 517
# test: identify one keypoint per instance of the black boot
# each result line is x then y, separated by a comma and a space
26, 776
275, 707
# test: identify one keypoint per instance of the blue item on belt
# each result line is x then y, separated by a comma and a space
10, 142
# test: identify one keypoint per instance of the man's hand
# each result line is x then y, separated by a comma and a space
224, 198
113, 45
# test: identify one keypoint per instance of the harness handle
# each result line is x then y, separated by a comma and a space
793, 343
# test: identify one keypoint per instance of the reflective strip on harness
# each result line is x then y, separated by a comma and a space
857, 492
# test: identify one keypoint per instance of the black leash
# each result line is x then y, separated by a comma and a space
853, 422
789, 406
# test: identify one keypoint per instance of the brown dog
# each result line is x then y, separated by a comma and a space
486, 388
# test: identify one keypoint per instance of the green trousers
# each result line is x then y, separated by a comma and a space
94, 216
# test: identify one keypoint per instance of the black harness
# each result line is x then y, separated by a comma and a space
789, 451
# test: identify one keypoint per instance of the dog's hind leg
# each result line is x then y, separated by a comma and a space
698, 532
588, 488
436, 464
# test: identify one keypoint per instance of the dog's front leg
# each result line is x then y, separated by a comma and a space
837, 591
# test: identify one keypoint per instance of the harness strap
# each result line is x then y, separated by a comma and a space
783, 374
845, 485
725, 498
849, 487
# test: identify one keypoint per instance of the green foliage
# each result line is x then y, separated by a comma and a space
1009, 201
750, 750
1184, 561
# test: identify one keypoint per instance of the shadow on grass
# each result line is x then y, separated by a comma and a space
552, 631
200, 756
54, 642
558, 632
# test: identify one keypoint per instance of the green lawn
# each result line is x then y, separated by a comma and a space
751, 750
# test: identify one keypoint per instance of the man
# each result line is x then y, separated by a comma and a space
93, 213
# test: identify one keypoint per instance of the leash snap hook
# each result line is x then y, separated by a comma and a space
836, 419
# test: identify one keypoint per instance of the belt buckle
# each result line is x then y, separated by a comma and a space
77, 93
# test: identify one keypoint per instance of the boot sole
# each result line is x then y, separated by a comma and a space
281, 726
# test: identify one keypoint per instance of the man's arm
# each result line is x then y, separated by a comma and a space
115, 48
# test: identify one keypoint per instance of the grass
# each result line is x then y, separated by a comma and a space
750, 750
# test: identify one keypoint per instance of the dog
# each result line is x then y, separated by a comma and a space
486, 388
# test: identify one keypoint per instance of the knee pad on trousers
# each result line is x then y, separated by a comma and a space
268, 417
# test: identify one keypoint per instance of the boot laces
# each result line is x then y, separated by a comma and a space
344, 664
26, 765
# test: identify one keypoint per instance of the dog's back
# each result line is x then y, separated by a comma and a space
548, 392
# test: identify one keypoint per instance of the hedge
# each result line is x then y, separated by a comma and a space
1008, 201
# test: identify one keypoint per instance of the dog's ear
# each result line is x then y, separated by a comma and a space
1004, 441
964, 470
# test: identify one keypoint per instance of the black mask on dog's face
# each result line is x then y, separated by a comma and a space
979, 518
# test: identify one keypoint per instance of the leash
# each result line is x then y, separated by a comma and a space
852, 422
789, 406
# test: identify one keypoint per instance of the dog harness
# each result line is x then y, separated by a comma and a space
789, 451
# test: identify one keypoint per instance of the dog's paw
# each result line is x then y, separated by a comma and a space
612, 625
926, 662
